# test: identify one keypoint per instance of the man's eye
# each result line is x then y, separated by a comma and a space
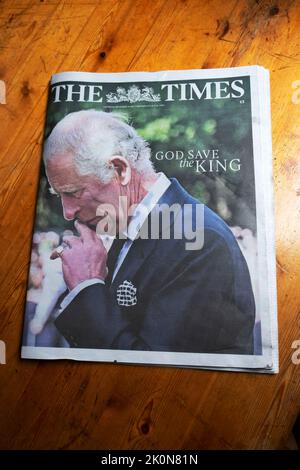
75, 194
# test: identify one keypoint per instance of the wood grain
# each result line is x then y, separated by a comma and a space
65, 405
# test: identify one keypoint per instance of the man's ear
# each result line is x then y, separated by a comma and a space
122, 169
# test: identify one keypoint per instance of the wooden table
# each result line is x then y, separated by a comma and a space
65, 405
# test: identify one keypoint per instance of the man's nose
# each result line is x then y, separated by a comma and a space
70, 208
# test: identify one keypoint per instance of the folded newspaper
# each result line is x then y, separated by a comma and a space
153, 240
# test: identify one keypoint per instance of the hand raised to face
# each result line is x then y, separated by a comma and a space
83, 258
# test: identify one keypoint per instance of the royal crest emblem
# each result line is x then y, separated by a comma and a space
133, 95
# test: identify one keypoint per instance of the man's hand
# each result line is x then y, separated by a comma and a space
84, 258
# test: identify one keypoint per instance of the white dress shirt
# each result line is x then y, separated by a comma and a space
139, 216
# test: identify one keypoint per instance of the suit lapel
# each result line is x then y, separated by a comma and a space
141, 249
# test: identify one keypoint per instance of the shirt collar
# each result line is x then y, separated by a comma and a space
146, 205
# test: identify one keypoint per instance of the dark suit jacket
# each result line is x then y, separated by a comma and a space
187, 301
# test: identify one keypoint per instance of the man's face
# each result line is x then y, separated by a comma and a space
81, 196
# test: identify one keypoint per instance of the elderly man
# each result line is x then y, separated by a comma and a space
144, 293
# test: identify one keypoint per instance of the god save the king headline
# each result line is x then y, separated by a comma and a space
211, 90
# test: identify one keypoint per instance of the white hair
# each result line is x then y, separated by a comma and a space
94, 137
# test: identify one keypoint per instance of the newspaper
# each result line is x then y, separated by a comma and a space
153, 240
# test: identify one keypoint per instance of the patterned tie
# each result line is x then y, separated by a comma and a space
113, 256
